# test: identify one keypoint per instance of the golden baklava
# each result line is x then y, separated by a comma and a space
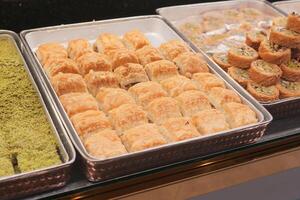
135, 39
222, 60
206, 81
291, 70
160, 70
51, 51
218, 96
288, 89
78, 47
285, 37
241, 56
148, 54
263, 93
123, 56
239, 75
293, 22
173, 48
274, 53
254, 38
107, 43
64, 65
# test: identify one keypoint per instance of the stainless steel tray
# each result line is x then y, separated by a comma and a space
280, 108
157, 31
37, 181
288, 6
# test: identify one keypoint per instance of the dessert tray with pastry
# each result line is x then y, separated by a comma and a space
288, 6
134, 96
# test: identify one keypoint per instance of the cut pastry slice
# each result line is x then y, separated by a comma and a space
264, 73
293, 22
64, 65
178, 84
288, 89
254, 38
162, 108
142, 137
284, 37
242, 56
218, 96
111, 98
104, 144
97, 80
222, 60
78, 47
93, 61
206, 81
210, 121
239, 75
127, 116
148, 54
64, 83
90, 121
190, 63
135, 39
170, 50
177, 129
123, 56
238, 114
107, 43
262, 93
131, 74
291, 70
160, 70
51, 51
192, 101
74, 103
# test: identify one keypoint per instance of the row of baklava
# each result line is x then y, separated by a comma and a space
160, 105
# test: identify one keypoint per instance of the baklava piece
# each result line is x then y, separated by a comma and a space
239, 75
131, 74
254, 38
64, 65
288, 89
284, 37
262, 93
274, 53
291, 70
206, 81
170, 50
108, 43
160, 70
293, 22
218, 96
78, 47
242, 56
51, 51
148, 54
222, 60
135, 39
123, 56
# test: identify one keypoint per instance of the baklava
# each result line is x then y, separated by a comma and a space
222, 60
285, 37
107, 43
254, 38
51, 51
274, 53
262, 93
173, 48
78, 47
293, 22
291, 70
160, 70
241, 56
239, 75
218, 96
206, 81
135, 39
123, 56
288, 89
64, 65
148, 54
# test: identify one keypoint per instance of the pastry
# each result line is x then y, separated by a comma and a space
107, 43
93, 61
254, 38
239, 75
160, 70
222, 60
130, 74
111, 98
274, 53
193, 101
78, 47
242, 56
291, 70
210, 121
189, 63
173, 48
206, 81
50, 50
64, 83
238, 114
218, 96
74, 103
288, 89
284, 37
142, 137
104, 144
148, 54
293, 22
177, 129
264, 73
135, 39
178, 84
97, 80
123, 56
162, 108
262, 93
90, 121
64, 65
127, 116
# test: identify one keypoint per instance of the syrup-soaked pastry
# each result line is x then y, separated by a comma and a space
162, 108
93, 61
293, 22
178, 84
127, 116
192, 101
190, 63
263, 93
64, 83
173, 48
238, 114
242, 56
222, 60
279, 21
148, 54
206, 81
97, 80
90, 121
254, 38
146, 92
135, 39
131, 74
210, 121
74, 103
142, 137
264, 73
111, 98
285, 37
291, 70
160, 70
274, 53
239, 75
50, 51
218, 96
177, 129
288, 89
107, 43
64, 65
123, 56
104, 144
78, 47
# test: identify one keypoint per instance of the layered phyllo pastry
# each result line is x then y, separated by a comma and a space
78, 47
288, 89
239, 75
291, 70
254, 38
107, 43
222, 60
64, 65
274, 53
206, 81
135, 39
170, 50
123, 57
51, 51
293, 22
148, 54
285, 37
242, 56
219, 96
160, 70
263, 93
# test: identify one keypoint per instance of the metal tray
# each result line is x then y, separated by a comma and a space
280, 108
37, 181
157, 31
288, 6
